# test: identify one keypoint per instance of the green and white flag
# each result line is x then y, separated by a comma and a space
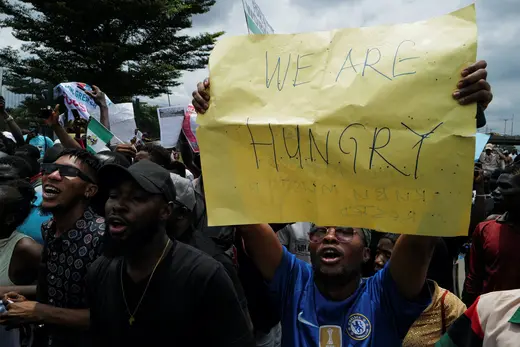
98, 136
255, 19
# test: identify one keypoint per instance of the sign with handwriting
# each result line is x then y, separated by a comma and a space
353, 127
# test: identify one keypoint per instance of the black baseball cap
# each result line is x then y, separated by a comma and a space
151, 177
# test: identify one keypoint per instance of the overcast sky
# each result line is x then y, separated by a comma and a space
499, 36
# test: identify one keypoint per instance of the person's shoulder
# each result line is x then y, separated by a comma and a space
500, 298
493, 223
192, 261
25, 243
496, 307
452, 301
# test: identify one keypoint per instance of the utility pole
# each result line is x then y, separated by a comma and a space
505, 126
1, 79
512, 124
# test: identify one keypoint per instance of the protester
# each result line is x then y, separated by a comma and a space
73, 240
503, 183
148, 289
490, 159
13, 167
19, 168
492, 321
19, 255
31, 154
37, 140
439, 315
154, 153
329, 297
180, 227
15, 131
7, 146
295, 237
493, 254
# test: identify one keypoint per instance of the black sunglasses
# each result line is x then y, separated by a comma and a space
65, 171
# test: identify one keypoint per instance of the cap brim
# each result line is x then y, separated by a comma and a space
111, 175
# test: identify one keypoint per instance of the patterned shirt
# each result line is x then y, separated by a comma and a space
66, 259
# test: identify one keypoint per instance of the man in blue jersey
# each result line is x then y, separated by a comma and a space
328, 303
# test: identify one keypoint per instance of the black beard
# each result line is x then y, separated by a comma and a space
332, 280
114, 248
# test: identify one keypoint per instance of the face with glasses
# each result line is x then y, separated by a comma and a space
337, 252
65, 183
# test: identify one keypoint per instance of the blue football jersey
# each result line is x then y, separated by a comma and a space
375, 315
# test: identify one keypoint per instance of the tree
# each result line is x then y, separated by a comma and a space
146, 119
126, 47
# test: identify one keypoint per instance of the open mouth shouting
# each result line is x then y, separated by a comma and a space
116, 225
50, 192
330, 255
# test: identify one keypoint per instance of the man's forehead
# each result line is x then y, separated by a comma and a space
70, 161
128, 183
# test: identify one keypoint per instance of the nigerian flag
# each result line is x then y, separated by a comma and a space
98, 136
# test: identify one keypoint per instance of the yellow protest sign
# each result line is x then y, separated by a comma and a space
351, 127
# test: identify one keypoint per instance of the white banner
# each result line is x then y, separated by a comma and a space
122, 120
256, 21
76, 98
170, 122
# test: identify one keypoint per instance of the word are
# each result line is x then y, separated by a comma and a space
371, 57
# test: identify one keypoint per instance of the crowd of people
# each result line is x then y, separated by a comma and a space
114, 249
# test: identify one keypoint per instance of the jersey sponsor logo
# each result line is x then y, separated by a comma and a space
358, 327
330, 336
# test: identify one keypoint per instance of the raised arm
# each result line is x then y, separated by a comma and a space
65, 139
11, 124
100, 99
263, 247
409, 263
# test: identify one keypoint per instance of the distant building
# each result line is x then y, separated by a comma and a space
12, 100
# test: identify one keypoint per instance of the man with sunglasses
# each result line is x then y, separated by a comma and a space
73, 240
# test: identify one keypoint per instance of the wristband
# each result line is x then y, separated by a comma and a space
9, 118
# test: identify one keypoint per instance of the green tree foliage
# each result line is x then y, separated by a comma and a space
126, 47
146, 119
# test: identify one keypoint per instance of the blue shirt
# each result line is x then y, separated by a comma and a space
375, 315
43, 143
33, 224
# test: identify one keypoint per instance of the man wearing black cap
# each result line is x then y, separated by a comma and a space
149, 290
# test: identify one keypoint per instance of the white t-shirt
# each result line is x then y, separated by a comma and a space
296, 238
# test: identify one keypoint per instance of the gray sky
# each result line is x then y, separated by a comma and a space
499, 36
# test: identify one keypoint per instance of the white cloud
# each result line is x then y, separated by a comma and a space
499, 31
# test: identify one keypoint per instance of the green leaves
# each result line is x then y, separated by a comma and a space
127, 47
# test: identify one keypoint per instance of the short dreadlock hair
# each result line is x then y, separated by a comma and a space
86, 158
158, 154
